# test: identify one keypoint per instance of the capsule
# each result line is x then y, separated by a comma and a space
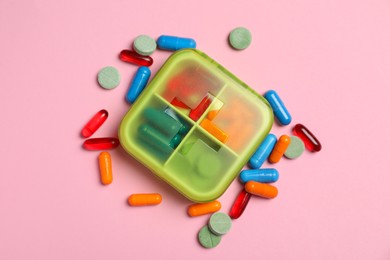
104, 143
261, 189
144, 199
196, 113
138, 84
239, 204
262, 153
279, 149
310, 141
173, 43
214, 130
154, 138
105, 167
94, 123
133, 57
280, 110
162, 121
266, 175
203, 208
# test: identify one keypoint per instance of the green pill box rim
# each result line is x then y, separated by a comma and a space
158, 170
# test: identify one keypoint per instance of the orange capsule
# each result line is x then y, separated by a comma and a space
261, 189
279, 149
195, 210
105, 166
214, 130
144, 199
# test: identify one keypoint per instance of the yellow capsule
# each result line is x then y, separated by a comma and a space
144, 199
195, 210
105, 166
261, 189
279, 149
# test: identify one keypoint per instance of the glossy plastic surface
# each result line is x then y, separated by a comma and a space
105, 167
203, 208
196, 163
261, 189
94, 123
240, 204
144, 199
262, 153
280, 110
310, 141
103, 143
266, 175
138, 84
135, 58
174, 43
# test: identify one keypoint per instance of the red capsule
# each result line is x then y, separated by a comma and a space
96, 121
104, 143
239, 204
135, 58
311, 142
196, 113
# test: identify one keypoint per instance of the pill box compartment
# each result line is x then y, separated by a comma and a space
198, 155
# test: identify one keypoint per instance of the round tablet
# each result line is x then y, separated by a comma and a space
144, 45
109, 77
220, 223
240, 38
295, 148
207, 239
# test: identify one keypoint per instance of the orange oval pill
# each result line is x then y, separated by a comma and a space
144, 199
199, 209
279, 149
261, 189
105, 167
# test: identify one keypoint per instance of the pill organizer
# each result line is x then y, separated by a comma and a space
195, 125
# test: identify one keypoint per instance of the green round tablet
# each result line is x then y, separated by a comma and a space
144, 45
109, 77
220, 223
240, 38
295, 148
207, 239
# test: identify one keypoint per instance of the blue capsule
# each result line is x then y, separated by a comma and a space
173, 43
280, 111
138, 84
260, 175
262, 153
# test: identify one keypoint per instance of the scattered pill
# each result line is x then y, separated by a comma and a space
94, 123
144, 45
279, 149
138, 84
144, 199
240, 38
134, 58
174, 43
262, 153
214, 130
266, 175
280, 111
109, 77
240, 204
295, 148
261, 189
310, 141
104, 143
105, 167
199, 209
220, 223
207, 239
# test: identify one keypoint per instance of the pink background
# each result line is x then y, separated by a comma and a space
329, 60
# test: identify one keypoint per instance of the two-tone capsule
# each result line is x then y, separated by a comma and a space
138, 84
199, 209
262, 153
144, 199
279, 149
310, 141
261, 189
279, 109
94, 123
174, 43
105, 167
266, 175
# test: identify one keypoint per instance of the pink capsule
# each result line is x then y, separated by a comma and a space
104, 143
310, 141
239, 204
135, 58
94, 123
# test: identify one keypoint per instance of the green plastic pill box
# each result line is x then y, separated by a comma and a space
195, 125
